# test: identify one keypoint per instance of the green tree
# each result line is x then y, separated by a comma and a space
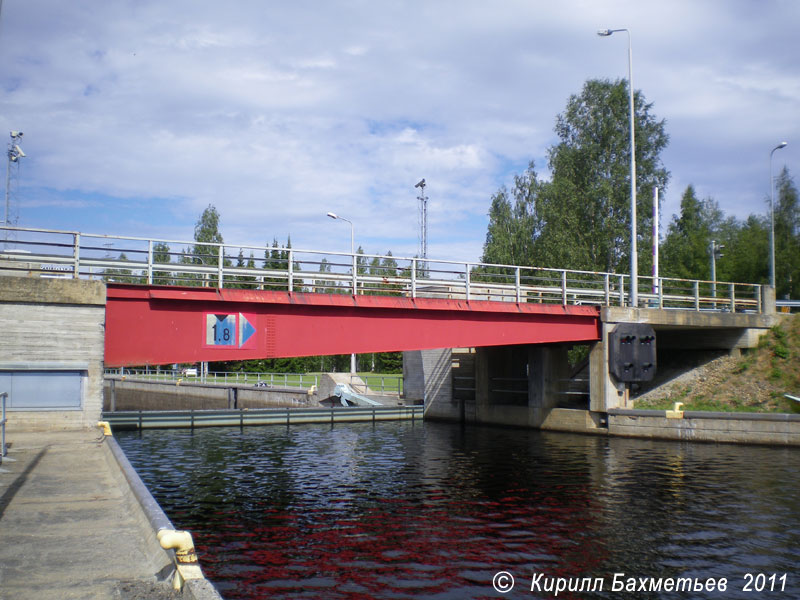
388, 362
586, 209
787, 238
206, 233
747, 251
244, 281
686, 250
513, 227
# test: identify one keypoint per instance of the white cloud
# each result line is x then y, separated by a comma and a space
279, 112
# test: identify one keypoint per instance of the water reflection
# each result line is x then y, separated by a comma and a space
400, 510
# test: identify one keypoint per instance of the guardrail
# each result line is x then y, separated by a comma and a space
123, 259
301, 380
167, 419
787, 303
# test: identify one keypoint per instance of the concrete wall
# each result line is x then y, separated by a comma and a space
675, 331
427, 376
483, 376
52, 323
152, 395
779, 429
546, 366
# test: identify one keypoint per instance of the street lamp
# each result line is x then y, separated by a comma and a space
634, 258
772, 217
353, 258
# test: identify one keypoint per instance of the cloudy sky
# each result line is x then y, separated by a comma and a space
138, 114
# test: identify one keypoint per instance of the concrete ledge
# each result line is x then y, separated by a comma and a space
133, 394
740, 428
36, 290
152, 518
687, 318
143, 507
574, 421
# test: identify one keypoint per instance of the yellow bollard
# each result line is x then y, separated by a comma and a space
676, 412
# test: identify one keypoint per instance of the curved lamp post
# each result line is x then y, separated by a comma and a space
772, 217
634, 293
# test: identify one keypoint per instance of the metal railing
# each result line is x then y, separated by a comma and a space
3, 451
123, 259
261, 416
380, 384
300, 380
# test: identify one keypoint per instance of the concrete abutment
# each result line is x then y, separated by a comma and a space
51, 358
525, 385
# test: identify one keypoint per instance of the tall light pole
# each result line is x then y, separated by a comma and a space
772, 217
716, 252
634, 258
353, 258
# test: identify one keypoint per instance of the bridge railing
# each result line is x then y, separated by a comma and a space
53, 253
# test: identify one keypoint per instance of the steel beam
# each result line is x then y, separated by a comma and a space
160, 325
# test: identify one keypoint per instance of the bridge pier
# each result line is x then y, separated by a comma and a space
516, 385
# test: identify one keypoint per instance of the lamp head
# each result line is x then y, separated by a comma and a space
333, 215
604, 32
421, 183
783, 144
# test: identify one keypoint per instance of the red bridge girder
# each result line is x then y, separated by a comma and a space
151, 325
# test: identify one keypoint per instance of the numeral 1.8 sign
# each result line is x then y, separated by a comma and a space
220, 330
229, 330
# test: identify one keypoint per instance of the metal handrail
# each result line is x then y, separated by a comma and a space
377, 383
3, 420
50, 253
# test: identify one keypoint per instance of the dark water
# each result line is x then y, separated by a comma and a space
397, 511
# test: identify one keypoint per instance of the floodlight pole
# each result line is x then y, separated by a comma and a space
353, 258
634, 293
423, 223
772, 217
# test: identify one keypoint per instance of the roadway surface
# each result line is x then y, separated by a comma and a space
66, 527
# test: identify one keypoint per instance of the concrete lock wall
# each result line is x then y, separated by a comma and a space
127, 394
52, 327
781, 429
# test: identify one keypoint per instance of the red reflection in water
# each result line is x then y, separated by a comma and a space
399, 549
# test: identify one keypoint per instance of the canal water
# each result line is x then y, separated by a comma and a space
400, 510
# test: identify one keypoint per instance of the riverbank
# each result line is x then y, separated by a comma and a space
71, 526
